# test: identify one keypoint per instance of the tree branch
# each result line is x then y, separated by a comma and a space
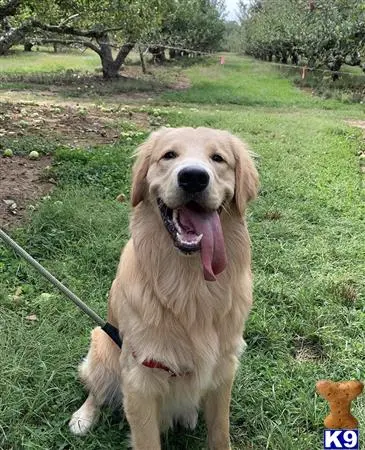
66, 42
69, 19
13, 36
64, 29
5, 24
123, 53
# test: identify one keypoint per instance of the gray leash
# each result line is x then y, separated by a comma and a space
106, 326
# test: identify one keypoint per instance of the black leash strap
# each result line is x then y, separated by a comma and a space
113, 333
109, 329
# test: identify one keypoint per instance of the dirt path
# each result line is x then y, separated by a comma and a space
22, 181
47, 97
76, 124
21, 184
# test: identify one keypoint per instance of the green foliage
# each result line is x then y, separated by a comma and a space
315, 33
273, 28
233, 37
133, 17
111, 29
193, 24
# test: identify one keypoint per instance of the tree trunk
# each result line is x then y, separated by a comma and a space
172, 53
28, 46
141, 57
161, 56
335, 69
334, 65
158, 54
110, 66
106, 57
11, 37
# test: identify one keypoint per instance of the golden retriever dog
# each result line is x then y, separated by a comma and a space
182, 292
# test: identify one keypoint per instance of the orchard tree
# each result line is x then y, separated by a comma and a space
332, 36
242, 11
234, 34
232, 37
272, 29
110, 28
192, 24
311, 32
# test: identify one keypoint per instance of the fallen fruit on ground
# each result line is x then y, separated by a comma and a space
34, 155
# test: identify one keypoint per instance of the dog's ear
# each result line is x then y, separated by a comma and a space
141, 166
139, 171
246, 176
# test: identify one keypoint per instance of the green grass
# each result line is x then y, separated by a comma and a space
21, 62
241, 82
348, 88
248, 82
308, 320
77, 74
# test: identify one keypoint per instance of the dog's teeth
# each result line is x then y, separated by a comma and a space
175, 220
193, 242
182, 240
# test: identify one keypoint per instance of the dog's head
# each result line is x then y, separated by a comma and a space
190, 175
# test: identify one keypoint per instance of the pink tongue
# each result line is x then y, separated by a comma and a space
212, 249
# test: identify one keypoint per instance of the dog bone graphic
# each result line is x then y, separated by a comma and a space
339, 396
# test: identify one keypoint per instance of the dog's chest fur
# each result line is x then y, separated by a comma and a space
169, 313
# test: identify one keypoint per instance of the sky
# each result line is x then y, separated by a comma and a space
231, 6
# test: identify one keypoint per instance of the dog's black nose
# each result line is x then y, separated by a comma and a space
193, 179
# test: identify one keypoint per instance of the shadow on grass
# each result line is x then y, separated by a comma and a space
72, 83
77, 83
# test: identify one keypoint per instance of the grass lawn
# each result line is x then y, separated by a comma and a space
77, 75
46, 61
307, 230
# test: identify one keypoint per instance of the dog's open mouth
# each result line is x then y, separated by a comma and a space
193, 229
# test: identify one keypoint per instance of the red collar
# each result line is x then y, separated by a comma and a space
153, 364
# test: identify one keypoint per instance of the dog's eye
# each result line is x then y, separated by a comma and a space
170, 155
217, 158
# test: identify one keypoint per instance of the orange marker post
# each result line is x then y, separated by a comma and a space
304, 72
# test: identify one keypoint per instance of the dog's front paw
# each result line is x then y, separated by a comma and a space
82, 420
189, 419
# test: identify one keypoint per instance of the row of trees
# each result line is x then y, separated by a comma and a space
308, 32
112, 28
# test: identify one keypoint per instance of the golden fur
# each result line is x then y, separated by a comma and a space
164, 308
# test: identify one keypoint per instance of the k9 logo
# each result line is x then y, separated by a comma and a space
341, 439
